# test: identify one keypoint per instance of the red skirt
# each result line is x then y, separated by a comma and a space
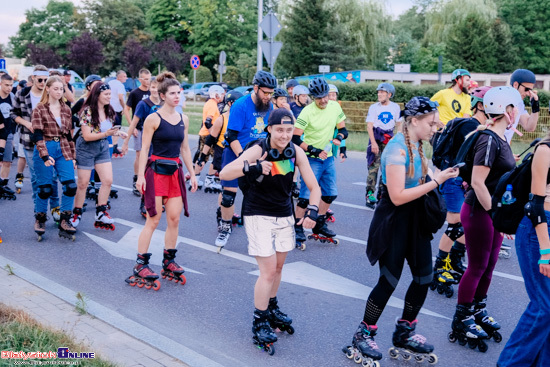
167, 186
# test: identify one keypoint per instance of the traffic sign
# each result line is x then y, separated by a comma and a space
271, 51
324, 68
270, 25
195, 62
2, 63
223, 58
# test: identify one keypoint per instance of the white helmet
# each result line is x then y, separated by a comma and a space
216, 90
332, 88
300, 89
497, 99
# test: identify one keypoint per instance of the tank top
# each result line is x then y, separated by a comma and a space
272, 197
167, 138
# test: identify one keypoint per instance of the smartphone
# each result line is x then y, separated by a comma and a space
117, 127
459, 165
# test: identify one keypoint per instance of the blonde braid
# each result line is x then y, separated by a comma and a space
409, 147
424, 161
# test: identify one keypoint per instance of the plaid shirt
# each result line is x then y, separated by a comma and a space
22, 107
43, 119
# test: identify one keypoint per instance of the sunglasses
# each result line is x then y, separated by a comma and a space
40, 80
526, 89
269, 94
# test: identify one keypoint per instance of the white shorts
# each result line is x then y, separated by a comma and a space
267, 235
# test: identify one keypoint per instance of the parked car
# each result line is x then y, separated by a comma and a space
185, 85
199, 90
245, 90
76, 81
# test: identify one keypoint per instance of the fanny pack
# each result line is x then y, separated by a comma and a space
165, 167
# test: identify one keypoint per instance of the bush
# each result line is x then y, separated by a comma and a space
232, 76
203, 75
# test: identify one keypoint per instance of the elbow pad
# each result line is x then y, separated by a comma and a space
38, 135
534, 209
297, 140
210, 140
208, 122
231, 136
342, 134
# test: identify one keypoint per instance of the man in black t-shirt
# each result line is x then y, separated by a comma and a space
69, 91
7, 129
136, 96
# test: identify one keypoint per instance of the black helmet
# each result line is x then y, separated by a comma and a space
318, 88
232, 96
264, 79
90, 79
279, 92
291, 83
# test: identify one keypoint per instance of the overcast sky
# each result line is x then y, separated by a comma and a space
13, 13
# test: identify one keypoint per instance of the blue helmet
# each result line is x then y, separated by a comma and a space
386, 87
318, 88
291, 83
264, 79
90, 79
279, 92
523, 76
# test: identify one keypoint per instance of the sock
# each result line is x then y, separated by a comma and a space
442, 254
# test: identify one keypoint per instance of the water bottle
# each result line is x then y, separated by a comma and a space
507, 197
328, 148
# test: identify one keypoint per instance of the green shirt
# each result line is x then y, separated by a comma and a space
319, 124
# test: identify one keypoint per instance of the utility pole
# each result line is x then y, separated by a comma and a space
259, 59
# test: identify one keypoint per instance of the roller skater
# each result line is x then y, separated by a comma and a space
443, 278
487, 323
322, 233
40, 224
277, 318
143, 275
66, 229
19, 182
170, 269
102, 219
363, 348
224, 231
263, 335
407, 343
135, 191
56, 215
5, 192
210, 185
466, 330
76, 217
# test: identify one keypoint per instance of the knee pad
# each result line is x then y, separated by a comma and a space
228, 198
303, 203
454, 231
45, 191
328, 199
69, 188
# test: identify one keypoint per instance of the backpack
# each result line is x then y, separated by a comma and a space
506, 218
466, 153
443, 152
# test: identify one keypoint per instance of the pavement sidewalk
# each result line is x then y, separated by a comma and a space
109, 342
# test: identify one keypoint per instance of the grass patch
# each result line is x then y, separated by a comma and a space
81, 303
9, 269
20, 332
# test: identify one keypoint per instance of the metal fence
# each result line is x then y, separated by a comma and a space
356, 113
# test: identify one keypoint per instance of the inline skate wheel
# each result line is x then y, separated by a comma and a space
148, 285
357, 358
322, 241
440, 290
183, 279
156, 285
131, 281
433, 286
310, 237
290, 329
394, 353
406, 356
451, 337
336, 241
419, 359
449, 292
270, 349
432, 358
497, 337
348, 351
482, 346
140, 284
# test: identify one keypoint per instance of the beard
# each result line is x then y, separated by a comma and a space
465, 90
260, 105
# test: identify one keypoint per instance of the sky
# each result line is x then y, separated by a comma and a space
13, 13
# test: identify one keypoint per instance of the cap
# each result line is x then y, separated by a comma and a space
66, 72
280, 116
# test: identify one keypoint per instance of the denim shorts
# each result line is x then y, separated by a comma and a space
8, 153
325, 173
90, 153
453, 193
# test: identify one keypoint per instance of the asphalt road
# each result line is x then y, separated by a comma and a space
324, 288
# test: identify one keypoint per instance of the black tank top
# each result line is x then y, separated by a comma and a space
272, 197
167, 138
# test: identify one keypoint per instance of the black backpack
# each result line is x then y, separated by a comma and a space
466, 153
443, 153
506, 218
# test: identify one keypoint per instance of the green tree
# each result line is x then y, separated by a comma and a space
166, 20
339, 52
246, 63
530, 27
413, 22
426, 59
231, 76
52, 26
203, 75
404, 48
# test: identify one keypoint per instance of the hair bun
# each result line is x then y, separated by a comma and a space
165, 75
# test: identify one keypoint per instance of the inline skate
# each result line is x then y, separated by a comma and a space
76, 217
199, 185
443, 279
5, 192
170, 269
102, 219
363, 348
465, 329
224, 231
278, 319
300, 236
135, 191
56, 215
19, 182
370, 200
487, 323
505, 251
142, 209
210, 185
66, 229
456, 255
40, 224
330, 216
143, 275
263, 337
113, 194
322, 233
91, 192
407, 343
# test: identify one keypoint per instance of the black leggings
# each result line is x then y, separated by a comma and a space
419, 256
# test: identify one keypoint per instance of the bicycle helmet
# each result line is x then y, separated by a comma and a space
478, 94
299, 90
333, 88
232, 96
215, 90
386, 87
523, 76
318, 88
459, 73
419, 106
264, 79
291, 83
90, 79
497, 99
279, 92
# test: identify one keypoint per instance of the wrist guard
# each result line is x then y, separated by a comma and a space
535, 106
343, 151
312, 212
314, 152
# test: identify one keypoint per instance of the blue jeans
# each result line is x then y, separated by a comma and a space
325, 173
529, 344
44, 175
54, 199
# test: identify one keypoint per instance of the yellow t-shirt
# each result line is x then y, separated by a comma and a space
210, 109
452, 105
221, 137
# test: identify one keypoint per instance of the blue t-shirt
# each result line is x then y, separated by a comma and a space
296, 109
245, 119
142, 111
396, 153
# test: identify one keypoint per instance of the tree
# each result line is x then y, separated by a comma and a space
166, 20
85, 54
203, 75
45, 55
135, 57
169, 54
246, 63
339, 52
530, 28
52, 26
404, 48
413, 22
231, 76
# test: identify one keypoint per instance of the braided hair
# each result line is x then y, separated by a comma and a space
423, 159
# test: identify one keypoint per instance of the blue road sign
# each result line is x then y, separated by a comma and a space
2, 63
195, 62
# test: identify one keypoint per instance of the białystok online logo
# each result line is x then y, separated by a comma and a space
62, 353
